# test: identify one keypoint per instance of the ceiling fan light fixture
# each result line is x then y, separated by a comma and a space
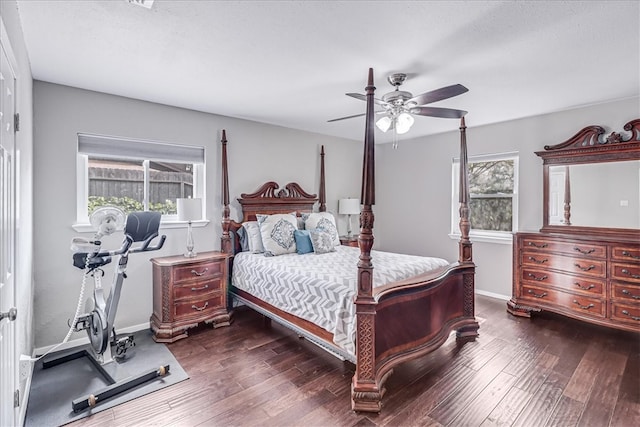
403, 123
384, 123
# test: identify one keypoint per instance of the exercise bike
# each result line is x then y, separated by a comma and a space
98, 321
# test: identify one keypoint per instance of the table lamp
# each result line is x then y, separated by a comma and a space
349, 207
189, 210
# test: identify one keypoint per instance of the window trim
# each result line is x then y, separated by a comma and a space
488, 236
168, 221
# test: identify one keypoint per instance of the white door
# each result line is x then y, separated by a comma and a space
8, 366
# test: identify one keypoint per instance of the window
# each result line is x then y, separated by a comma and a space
136, 175
493, 192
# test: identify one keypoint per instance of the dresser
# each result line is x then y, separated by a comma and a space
187, 292
584, 262
595, 280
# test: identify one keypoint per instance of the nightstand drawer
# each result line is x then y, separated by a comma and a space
196, 289
198, 271
198, 308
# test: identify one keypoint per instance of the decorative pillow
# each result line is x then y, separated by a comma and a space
243, 239
303, 241
277, 233
253, 237
322, 241
322, 221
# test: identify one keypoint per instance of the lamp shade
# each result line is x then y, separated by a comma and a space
189, 209
403, 123
349, 206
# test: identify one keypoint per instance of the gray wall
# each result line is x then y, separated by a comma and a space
24, 146
414, 189
257, 153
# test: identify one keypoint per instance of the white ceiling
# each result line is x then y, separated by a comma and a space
290, 63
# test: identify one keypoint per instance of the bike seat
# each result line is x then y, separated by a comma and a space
80, 259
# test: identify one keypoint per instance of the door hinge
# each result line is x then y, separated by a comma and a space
16, 122
16, 398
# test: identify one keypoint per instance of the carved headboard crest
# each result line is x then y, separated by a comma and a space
272, 190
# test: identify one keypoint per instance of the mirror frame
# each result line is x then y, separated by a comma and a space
587, 146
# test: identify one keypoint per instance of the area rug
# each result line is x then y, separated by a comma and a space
53, 389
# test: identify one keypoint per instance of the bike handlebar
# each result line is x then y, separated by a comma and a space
128, 241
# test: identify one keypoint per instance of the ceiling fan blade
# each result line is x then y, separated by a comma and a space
364, 98
445, 113
439, 94
344, 118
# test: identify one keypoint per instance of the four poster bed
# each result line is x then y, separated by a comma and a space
385, 316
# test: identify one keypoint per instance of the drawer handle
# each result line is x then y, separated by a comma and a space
206, 304
628, 273
538, 261
200, 288
542, 246
539, 279
584, 307
201, 273
542, 295
626, 313
587, 252
626, 292
591, 267
630, 255
585, 288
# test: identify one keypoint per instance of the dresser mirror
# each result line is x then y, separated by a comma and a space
603, 194
592, 184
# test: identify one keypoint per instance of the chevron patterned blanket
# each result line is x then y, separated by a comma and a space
321, 288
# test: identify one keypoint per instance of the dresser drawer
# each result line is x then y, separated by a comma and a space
577, 303
591, 267
626, 253
625, 291
198, 271
589, 250
198, 308
628, 272
197, 289
585, 285
626, 313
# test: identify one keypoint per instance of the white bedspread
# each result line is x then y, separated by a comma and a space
321, 288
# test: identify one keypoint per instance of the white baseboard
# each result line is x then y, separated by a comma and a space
493, 295
24, 400
85, 340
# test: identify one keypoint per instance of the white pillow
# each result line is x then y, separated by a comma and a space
322, 221
254, 238
277, 233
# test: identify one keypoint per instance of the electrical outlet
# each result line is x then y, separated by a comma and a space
26, 366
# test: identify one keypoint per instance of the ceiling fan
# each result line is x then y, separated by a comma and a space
399, 106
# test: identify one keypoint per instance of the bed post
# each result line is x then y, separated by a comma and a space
225, 240
465, 254
366, 392
322, 198
469, 331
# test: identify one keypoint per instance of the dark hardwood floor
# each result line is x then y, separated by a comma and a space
547, 371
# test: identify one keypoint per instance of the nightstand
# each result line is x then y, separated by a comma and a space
188, 291
349, 241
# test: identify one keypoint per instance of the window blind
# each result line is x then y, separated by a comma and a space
119, 147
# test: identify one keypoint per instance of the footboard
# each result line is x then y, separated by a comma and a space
413, 318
